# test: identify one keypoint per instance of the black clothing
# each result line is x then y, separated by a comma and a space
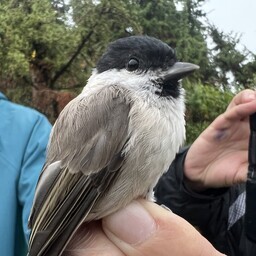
217, 213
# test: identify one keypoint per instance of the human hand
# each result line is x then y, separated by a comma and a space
142, 228
219, 157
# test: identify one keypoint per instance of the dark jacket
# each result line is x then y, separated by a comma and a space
217, 213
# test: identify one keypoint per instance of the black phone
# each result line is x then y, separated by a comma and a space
250, 204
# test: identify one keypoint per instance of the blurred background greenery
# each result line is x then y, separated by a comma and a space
49, 47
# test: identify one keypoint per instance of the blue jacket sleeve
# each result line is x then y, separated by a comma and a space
32, 163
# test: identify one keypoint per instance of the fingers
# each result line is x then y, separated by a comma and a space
243, 104
144, 228
90, 240
244, 96
239, 109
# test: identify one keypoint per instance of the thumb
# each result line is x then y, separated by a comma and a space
144, 228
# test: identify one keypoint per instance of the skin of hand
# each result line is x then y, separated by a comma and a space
141, 228
219, 156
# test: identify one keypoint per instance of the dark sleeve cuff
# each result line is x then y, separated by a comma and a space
173, 181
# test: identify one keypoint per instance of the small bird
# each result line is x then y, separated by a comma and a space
112, 143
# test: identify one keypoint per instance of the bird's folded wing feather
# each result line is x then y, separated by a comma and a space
84, 158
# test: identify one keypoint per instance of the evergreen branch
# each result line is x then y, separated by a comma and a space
73, 57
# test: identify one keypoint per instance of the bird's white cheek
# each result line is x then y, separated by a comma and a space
121, 78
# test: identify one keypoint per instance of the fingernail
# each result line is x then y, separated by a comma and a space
166, 208
132, 224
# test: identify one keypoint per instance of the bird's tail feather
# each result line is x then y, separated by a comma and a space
52, 237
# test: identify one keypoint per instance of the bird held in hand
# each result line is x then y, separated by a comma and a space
112, 142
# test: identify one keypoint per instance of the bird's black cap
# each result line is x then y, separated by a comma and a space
151, 53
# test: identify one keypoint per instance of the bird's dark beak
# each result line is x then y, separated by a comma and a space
179, 70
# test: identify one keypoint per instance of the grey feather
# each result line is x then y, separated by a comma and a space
86, 139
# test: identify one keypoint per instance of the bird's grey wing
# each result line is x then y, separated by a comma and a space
69, 187
90, 131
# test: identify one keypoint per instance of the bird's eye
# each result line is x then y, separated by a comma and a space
133, 64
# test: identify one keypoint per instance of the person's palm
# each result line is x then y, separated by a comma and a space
219, 157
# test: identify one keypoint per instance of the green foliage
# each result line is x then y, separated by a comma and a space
56, 43
204, 104
232, 62
27, 27
53, 45
57, 40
